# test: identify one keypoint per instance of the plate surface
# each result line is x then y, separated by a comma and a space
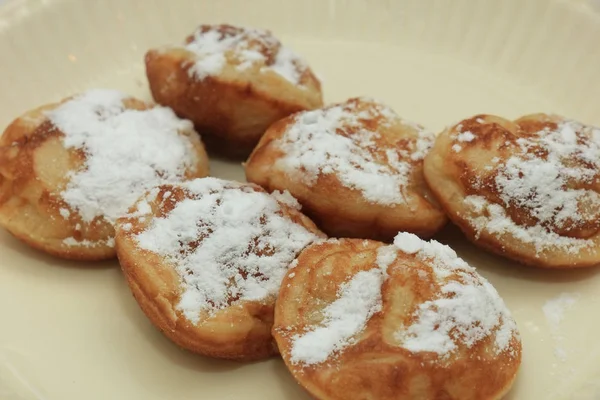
73, 331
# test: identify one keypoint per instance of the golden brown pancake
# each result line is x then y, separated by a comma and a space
356, 168
68, 170
205, 259
358, 319
232, 82
525, 189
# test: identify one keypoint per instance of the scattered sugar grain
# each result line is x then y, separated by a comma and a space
466, 136
72, 242
554, 311
555, 308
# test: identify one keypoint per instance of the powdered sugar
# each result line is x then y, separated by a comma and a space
554, 310
466, 136
492, 218
386, 255
424, 142
288, 65
216, 46
408, 243
541, 184
126, 152
467, 310
358, 299
338, 140
72, 242
286, 198
548, 176
228, 242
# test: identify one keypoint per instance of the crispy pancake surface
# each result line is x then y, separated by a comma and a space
68, 170
356, 168
526, 189
205, 259
232, 82
358, 319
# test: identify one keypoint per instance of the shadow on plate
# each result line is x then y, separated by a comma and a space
227, 169
488, 262
11, 244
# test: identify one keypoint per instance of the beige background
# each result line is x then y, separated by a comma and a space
72, 331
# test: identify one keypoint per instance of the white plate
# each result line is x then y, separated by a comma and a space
71, 331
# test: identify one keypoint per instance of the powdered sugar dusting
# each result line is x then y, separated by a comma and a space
65, 213
216, 46
358, 299
286, 198
541, 184
386, 255
549, 176
467, 310
492, 218
127, 152
337, 140
424, 142
228, 242
554, 310
407, 243
72, 242
466, 136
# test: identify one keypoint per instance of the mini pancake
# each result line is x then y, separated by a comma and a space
232, 82
358, 319
69, 170
356, 168
525, 189
205, 259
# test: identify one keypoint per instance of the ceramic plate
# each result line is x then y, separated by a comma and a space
72, 331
